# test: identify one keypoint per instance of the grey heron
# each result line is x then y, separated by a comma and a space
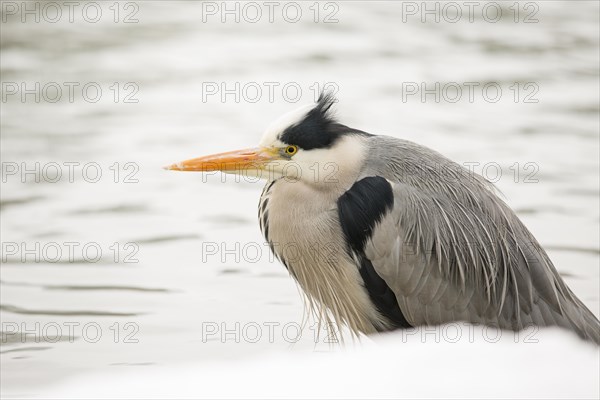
382, 233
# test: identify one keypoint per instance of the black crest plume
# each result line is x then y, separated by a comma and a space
317, 129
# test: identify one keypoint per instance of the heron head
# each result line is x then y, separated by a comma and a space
307, 144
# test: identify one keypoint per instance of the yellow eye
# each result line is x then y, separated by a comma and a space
291, 150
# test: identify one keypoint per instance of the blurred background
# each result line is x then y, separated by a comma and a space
110, 263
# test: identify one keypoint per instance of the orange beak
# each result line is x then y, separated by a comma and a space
232, 161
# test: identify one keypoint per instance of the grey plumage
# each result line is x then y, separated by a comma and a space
453, 250
450, 249
381, 233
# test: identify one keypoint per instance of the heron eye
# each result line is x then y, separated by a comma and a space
291, 150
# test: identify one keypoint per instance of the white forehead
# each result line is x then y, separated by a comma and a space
279, 125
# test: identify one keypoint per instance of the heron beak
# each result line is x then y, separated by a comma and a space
232, 161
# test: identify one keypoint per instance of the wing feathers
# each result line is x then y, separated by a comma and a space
459, 252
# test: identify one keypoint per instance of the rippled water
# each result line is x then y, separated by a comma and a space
85, 313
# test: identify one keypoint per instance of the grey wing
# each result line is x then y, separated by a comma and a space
453, 251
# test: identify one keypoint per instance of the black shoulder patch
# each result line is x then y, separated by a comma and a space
362, 207
381, 295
